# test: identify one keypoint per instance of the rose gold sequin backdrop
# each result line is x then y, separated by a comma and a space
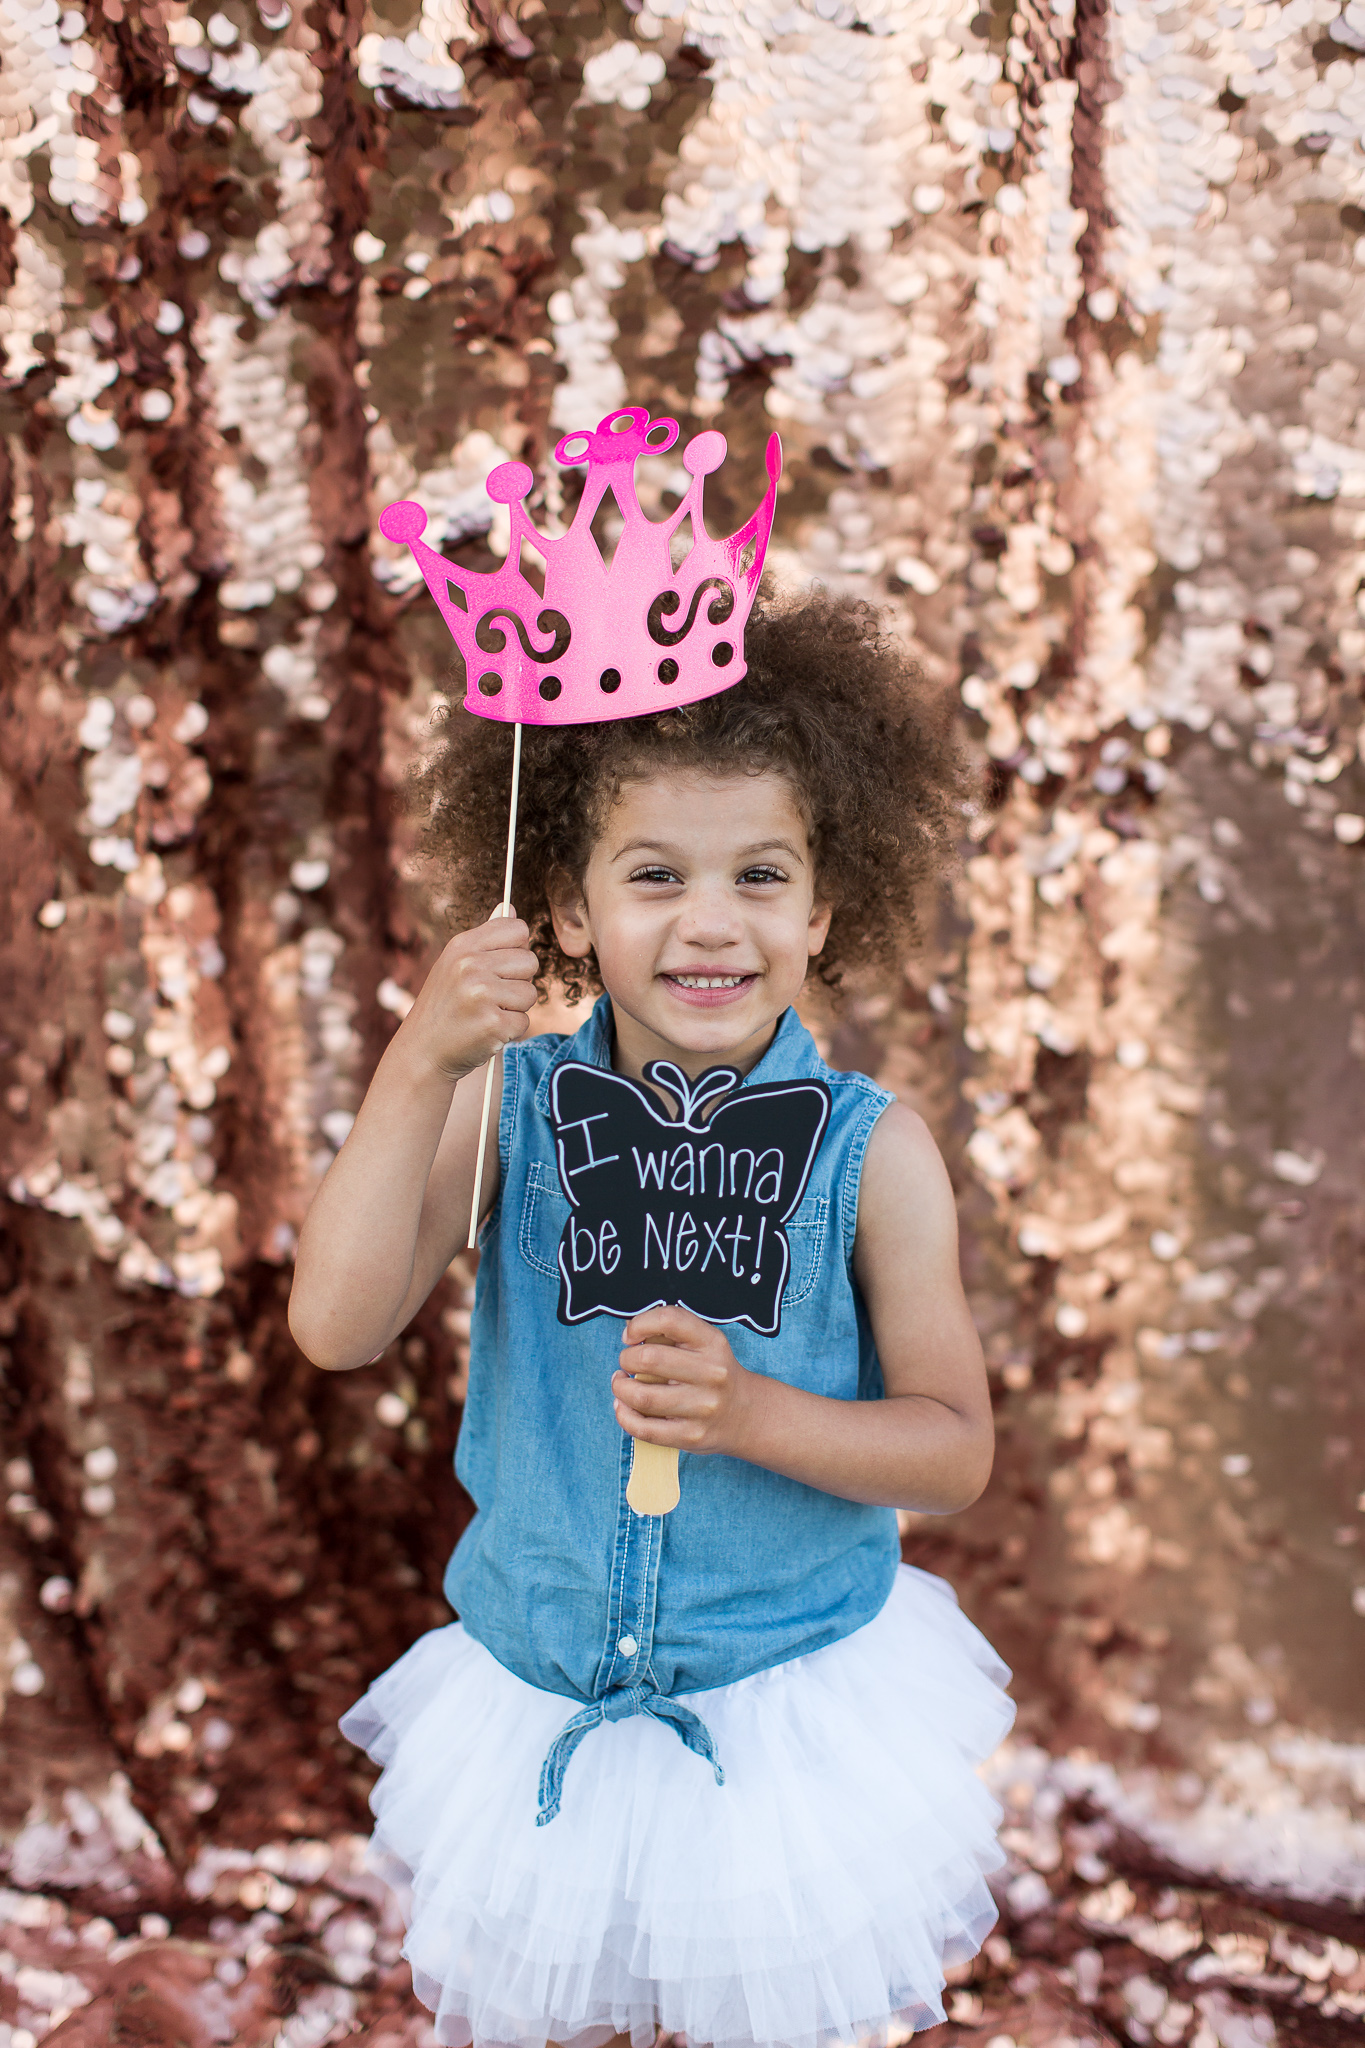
1061, 316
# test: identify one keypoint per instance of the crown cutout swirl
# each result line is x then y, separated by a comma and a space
602, 641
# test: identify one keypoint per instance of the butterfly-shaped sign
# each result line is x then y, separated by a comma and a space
688, 1209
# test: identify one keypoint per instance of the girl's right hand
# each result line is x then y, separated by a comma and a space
476, 998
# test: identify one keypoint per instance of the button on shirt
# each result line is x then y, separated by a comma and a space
556, 1575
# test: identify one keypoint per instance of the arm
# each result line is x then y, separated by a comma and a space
393, 1208
929, 1444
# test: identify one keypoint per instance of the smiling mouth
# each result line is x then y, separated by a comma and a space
708, 990
709, 980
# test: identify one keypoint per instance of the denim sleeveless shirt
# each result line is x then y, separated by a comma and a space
556, 1575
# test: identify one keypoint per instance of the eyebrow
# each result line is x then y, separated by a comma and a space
745, 853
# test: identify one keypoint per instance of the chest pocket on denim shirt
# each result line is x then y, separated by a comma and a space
806, 1237
545, 1211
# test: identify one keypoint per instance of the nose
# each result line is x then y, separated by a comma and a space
709, 918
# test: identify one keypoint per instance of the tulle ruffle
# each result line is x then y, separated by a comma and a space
816, 1896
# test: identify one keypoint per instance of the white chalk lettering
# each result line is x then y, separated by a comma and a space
650, 1168
685, 1244
757, 1273
773, 1175
587, 1249
714, 1234
664, 1244
738, 1236
584, 1124
702, 1158
583, 1261
686, 1168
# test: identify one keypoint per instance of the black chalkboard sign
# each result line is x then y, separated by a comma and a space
679, 1209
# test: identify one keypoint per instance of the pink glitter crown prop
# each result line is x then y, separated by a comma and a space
602, 642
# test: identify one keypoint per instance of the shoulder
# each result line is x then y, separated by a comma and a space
854, 1098
857, 1110
855, 1091
905, 1182
902, 1133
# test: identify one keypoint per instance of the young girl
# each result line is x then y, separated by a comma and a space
709, 1772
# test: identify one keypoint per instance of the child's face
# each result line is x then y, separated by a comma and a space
700, 903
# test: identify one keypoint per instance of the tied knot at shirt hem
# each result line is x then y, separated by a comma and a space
619, 1706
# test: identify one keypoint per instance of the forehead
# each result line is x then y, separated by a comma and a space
703, 803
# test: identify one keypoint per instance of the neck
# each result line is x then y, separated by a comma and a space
634, 1046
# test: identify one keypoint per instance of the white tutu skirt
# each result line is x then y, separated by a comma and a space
816, 1896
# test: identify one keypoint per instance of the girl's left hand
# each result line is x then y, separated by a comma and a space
707, 1399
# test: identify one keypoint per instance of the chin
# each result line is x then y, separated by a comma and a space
702, 1034
714, 1034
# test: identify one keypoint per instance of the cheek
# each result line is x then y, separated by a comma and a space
624, 940
796, 930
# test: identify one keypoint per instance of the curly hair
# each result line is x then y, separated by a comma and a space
830, 701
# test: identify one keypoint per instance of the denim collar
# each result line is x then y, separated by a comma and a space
789, 1053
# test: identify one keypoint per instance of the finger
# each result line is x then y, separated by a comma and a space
494, 978
497, 1027
518, 967
500, 1011
658, 1361
483, 980
664, 1361
494, 931
673, 1400
677, 1436
502, 931
669, 1325
514, 961
650, 1397
513, 993
667, 1362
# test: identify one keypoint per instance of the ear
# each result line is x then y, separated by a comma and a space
817, 931
569, 916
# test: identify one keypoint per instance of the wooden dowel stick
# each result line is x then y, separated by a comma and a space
504, 909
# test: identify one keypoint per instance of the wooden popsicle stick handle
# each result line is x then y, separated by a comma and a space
653, 1485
